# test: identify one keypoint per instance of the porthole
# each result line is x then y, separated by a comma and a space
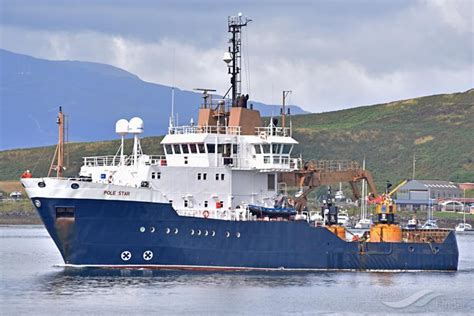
152, 229
213, 233
75, 186
192, 232
237, 235
142, 229
168, 230
411, 249
435, 250
227, 234
41, 184
199, 232
175, 231
206, 233
38, 203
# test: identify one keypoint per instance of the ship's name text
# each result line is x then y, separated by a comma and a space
121, 193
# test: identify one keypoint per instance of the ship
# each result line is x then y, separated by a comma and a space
214, 201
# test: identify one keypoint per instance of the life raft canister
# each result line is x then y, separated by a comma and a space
205, 214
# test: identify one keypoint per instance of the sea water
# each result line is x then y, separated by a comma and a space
33, 281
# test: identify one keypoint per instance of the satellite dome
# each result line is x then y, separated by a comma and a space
121, 127
135, 126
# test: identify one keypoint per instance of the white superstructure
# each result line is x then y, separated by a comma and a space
205, 168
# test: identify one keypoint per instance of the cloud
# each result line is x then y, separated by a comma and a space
330, 59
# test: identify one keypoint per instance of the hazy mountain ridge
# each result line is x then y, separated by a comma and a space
93, 95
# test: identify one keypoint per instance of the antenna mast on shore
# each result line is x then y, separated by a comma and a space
59, 152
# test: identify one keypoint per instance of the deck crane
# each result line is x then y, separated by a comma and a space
385, 228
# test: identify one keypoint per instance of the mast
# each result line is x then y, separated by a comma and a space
59, 152
233, 56
283, 110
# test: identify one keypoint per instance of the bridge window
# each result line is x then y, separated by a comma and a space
276, 159
222, 176
276, 148
266, 159
199, 176
217, 176
185, 203
177, 149
211, 148
206, 203
286, 149
234, 149
193, 148
258, 149
184, 148
204, 176
168, 150
266, 149
201, 148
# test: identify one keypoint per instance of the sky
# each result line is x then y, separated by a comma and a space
331, 54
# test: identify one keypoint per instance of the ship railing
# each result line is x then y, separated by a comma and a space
273, 131
205, 129
336, 165
99, 161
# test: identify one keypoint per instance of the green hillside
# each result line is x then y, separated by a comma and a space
438, 129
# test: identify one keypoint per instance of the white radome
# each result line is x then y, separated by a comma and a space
121, 127
135, 126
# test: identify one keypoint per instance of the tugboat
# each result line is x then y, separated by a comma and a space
209, 203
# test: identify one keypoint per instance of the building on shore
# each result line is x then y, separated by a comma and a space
422, 194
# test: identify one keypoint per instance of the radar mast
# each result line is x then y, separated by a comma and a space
233, 56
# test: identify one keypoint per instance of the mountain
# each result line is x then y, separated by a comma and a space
93, 95
438, 129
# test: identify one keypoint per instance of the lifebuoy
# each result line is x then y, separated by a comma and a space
205, 214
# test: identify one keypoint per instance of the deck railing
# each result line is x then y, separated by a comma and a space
273, 131
206, 129
102, 161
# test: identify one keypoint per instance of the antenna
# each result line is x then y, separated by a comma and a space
172, 97
233, 56
205, 96
122, 128
283, 110
135, 127
414, 166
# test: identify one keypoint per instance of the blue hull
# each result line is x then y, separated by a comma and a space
139, 234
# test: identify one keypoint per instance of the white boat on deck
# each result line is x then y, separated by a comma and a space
364, 223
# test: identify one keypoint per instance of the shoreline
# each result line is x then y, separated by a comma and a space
23, 213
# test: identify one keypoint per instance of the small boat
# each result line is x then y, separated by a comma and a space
271, 212
464, 227
364, 223
343, 218
412, 224
430, 224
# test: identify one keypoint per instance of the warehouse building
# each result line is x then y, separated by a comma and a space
419, 194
